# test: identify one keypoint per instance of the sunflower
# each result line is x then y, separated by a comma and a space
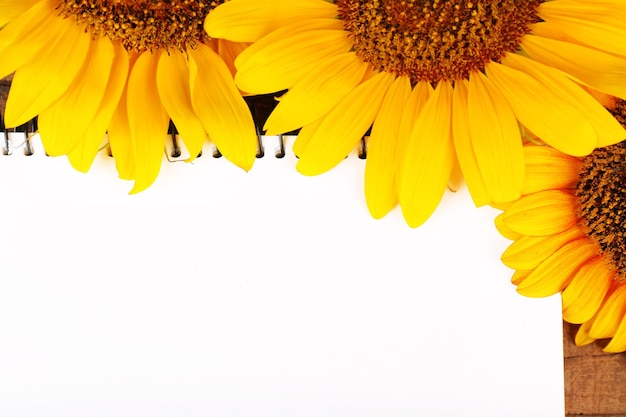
443, 84
126, 68
569, 232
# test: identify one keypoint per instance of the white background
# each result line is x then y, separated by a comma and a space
221, 293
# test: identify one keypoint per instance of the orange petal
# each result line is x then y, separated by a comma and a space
542, 214
610, 315
549, 169
229, 51
582, 335
584, 295
248, 21
528, 252
618, 341
504, 230
555, 273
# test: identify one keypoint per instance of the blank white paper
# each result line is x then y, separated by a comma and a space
263, 294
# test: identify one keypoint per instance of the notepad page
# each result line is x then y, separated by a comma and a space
223, 293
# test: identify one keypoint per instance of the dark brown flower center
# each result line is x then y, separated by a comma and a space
601, 193
143, 25
433, 40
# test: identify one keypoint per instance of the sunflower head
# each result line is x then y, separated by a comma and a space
118, 73
442, 86
601, 202
435, 40
143, 25
569, 236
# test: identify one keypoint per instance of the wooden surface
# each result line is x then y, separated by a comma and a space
595, 382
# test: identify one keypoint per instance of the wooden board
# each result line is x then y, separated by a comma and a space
595, 381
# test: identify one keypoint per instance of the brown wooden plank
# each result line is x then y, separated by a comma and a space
571, 350
595, 381
595, 415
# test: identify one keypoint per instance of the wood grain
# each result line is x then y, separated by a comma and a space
595, 382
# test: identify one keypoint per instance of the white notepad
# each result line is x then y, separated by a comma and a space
221, 293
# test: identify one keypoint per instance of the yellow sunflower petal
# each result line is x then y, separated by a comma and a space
317, 92
120, 140
82, 156
608, 130
583, 296
23, 38
610, 316
495, 138
542, 214
618, 341
519, 276
63, 124
429, 158
277, 61
247, 21
582, 337
529, 251
597, 69
45, 78
342, 127
302, 141
173, 84
380, 169
544, 111
147, 119
504, 230
223, 112
229, 51
553, 274
594, 24
548, 169
455, 182
10, 9
417, 100
549, 30
463, 145
502, 206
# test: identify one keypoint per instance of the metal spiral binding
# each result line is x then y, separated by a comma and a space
21, 135
260, 107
